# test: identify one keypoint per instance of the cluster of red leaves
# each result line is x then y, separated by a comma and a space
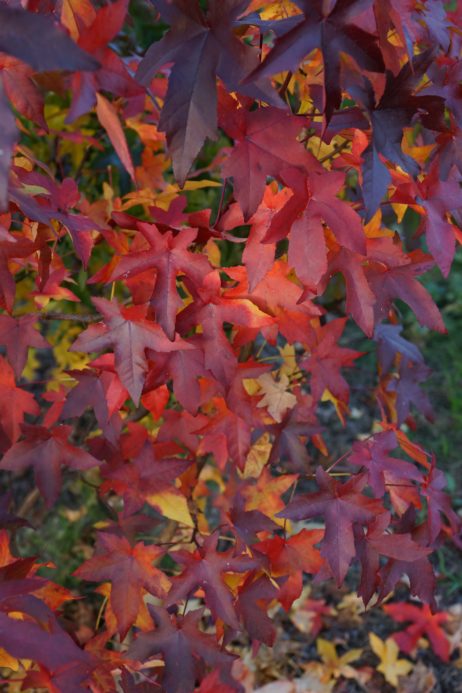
190, 374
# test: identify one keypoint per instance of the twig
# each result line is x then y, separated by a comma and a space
74, 317
337, 149
285, 84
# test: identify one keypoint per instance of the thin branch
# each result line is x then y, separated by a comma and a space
337, 149
285, 84
74, 317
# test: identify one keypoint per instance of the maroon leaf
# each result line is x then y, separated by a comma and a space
253, 601
264, 144
182, 646
40, 42
201, 46
329, 28
46, 451
373, 454
17, 335
204, 568
341, 506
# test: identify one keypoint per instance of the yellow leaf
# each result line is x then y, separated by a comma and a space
340, 407
374, 228
213, 253
251, 385
399, 210
171, 504
198, 184
335, 666
257, 457
390, 666
277, 9
67, 360
289, 365
8, 661
326, 650
419, 153
31, 366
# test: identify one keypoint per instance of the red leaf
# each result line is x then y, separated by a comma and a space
129, 569
423, 622
129, 338
14, 403
107, 116
17, 335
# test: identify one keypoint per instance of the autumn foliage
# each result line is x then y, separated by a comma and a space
204, 205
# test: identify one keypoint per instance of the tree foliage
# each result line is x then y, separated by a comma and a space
202, 204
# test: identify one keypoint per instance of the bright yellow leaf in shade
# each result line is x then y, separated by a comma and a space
143, 619
340, 407
8, 661
164, 199
390, 666
62, 339
419, 153
278, 9
257, 457
375, 229
336, 666
289, 365
171, 504
32, 365
400, 210
327, 151
277, 397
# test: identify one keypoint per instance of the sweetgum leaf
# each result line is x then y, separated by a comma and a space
129, 338
182, 646
38, 41
205, 569
342, 506
264, 144
46, 451
17, 335
169, 255
130, 570
326, 26
201, 46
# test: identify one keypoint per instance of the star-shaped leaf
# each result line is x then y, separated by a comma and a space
129, 335
129, 569
46, 450
183, 646
204, 568
341, 506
